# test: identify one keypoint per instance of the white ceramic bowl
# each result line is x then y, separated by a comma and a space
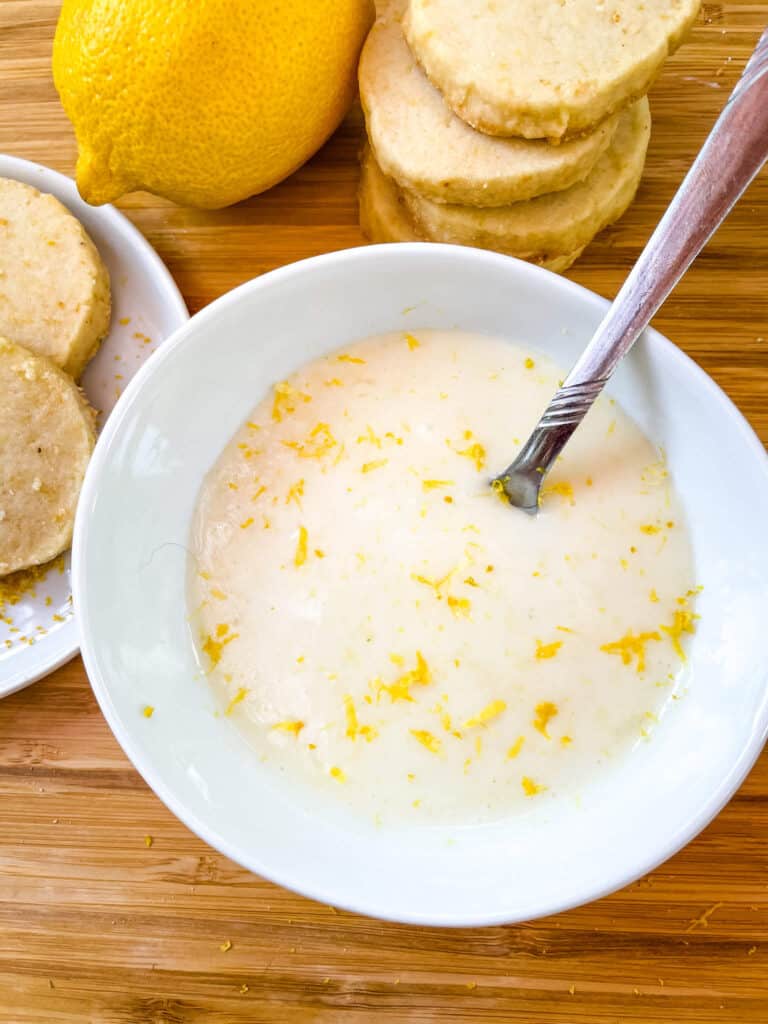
129, 583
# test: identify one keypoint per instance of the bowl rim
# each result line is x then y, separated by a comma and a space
619, 879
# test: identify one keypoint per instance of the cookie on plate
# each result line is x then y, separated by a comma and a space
544, 70
424, 146
54, 288
46, 440
384, 218
558, 222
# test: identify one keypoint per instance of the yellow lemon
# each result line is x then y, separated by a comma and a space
206, 102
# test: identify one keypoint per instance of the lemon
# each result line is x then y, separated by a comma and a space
204, 103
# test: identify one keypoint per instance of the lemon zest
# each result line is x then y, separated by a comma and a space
630, 646
214, 647
301, 547
546, 651
545, 712
295, 493
285, 400
354, 729
498, 489
475, 452
293, 726
337, 773
401, 688
459, 605
531, 788
436, 585
426, 739
319, 442
515, 749
368, 467
488, 713
370, 437
241, 694
682, 622
561, 488
351, 717
411, 341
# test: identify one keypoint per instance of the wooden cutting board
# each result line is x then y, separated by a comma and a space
97, 926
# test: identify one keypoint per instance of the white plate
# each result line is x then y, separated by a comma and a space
146, 307
129, 565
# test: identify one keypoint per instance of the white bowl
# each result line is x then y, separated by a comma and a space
129, 584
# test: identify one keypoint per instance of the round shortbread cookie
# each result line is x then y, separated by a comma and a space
46, 440
544, 70
424, 146
559, 221
384, 218
54, 288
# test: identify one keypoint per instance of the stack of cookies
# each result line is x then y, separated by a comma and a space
517, 125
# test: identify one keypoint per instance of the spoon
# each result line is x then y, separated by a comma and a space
733, 153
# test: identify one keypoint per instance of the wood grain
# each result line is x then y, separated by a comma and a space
95, 926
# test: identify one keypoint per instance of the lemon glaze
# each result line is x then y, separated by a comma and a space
382, 626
